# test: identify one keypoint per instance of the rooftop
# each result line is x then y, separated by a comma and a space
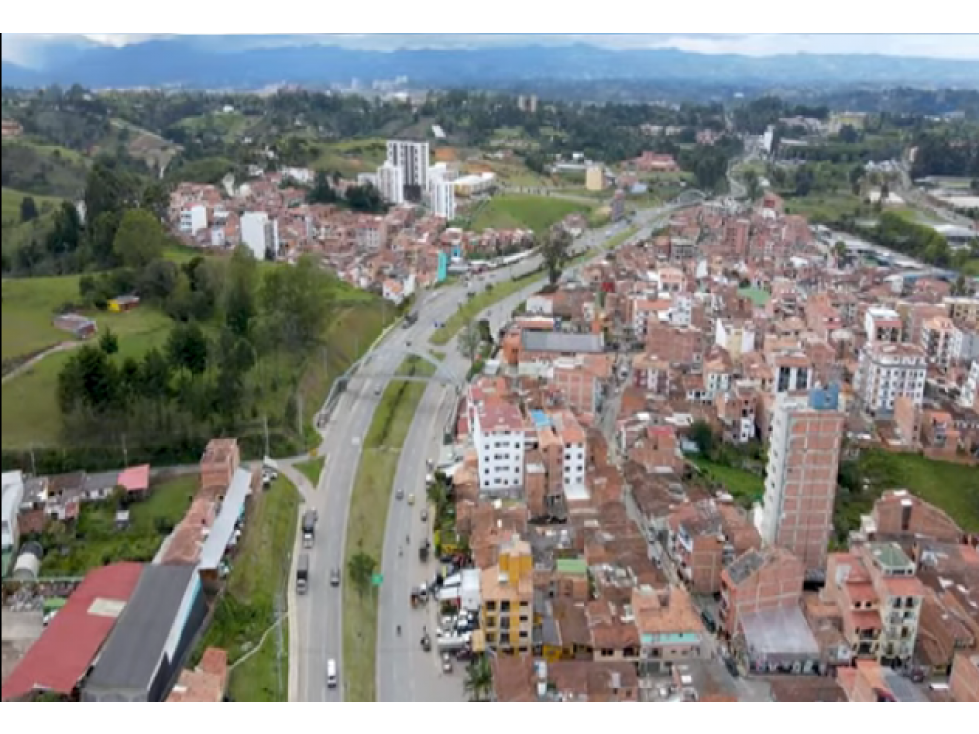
132, 653
545, 341
63, 654
781, 631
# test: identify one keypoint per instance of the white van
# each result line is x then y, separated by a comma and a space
331, 673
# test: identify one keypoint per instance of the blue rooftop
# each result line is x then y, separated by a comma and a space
540, 419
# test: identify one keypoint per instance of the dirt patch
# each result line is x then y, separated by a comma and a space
20, 631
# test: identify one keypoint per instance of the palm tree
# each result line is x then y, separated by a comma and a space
479, 680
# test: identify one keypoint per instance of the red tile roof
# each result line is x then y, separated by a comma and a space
60, 657
135, 478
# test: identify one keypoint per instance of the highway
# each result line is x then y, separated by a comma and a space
404, 672
318, 617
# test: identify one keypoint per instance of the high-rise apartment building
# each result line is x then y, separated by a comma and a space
442, 196
800, 486
412, 159
498, 436
391, 183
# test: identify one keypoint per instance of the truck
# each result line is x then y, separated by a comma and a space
302, 574
410, 319
309, 528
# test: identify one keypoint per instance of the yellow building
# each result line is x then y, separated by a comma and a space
595, 178
507, 593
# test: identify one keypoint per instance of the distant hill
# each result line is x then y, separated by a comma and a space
19, 76
190, 62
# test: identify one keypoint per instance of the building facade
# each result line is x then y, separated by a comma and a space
888, 371
800, 484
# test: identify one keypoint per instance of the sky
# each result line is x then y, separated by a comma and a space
23, 48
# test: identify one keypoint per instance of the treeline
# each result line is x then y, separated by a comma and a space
946, 153
233, 355
919, 241
121, 228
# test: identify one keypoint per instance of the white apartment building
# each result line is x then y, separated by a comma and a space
969, 398
889, 371
259, 234
882, 325
13, 495
442, 197
964, 346
299, 175
391, 183
681, 309
498, 435
737, 338
412, 159
193, 218
475, 183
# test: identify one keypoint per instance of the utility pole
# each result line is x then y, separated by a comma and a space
125, 452
33, 462
299, 412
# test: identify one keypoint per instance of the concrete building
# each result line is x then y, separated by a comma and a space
260, 234
961, 308
759, 581
879, 599
442, 195
498, 436
193, 218
888, 371
413, 160
738, 338
882, 325
391, 183
936, 340
13, 495
800, 484
969, 398
595, 178
964, 683
670, 630
964, 346
507, 594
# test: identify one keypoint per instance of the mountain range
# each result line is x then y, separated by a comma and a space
190, 62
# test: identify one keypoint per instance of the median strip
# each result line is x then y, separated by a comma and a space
367, 521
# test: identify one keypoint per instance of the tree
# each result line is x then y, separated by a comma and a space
470, 340
839, 251
109, 342
154, 376
296, 305
479, 680
28, 209
753, 184
239, 301
88, 380
139, 239
321, 192
554, 251
360, 568
187, 348
703, 436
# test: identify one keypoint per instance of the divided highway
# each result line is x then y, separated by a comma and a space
404, 672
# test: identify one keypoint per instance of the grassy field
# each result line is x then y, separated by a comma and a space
745, 486
11, 205
827, 207
952, 487
351, 157
98, 542
312, 469
367, 520
247, 609
229, 125
511, 211
471, 308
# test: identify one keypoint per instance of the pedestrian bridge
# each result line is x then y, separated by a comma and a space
442, 374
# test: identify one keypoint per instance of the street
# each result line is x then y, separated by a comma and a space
318, 617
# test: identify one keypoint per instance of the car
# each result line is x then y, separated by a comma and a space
335, 577
408, 344
424, 515
377, 390
732, 668
399, 494
411, 499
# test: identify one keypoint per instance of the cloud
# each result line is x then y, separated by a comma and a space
23, 48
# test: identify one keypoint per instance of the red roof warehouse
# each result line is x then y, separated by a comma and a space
62, 655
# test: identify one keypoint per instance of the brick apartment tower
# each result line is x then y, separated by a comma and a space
800, 487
